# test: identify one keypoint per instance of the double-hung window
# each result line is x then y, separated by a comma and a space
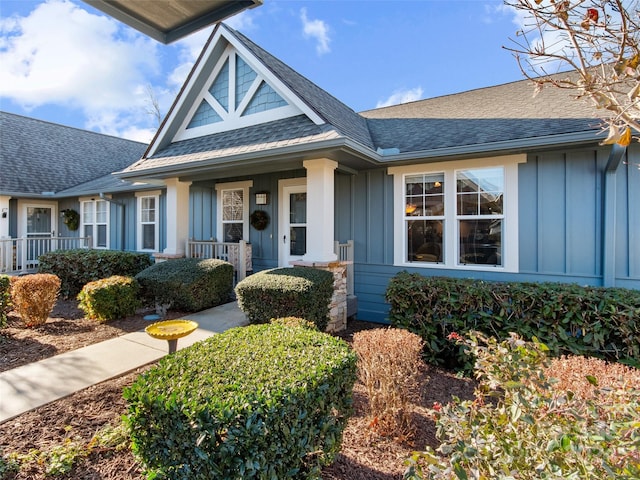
233, 211
461, 214
95, 222
148, 225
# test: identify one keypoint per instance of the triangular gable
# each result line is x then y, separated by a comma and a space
228, 88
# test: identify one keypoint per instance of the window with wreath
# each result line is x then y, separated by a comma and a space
460, 214
95, 222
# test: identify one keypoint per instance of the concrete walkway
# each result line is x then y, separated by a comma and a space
30, 386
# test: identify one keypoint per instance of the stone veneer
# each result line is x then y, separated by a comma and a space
338, 304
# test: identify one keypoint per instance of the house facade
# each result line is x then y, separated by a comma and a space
492, 184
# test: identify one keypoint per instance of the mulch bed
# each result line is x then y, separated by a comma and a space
364, 454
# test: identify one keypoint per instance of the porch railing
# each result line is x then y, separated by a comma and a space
19, 255
344, 251
237, 254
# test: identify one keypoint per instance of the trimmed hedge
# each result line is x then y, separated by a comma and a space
76, 268
5, 298
187, 284
287, 292
601, 322
257, 402
110, 298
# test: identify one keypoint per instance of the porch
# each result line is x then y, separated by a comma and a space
20, 255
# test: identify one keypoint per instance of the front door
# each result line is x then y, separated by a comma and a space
40, 230
293, 224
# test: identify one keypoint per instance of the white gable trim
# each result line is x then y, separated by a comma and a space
224, 43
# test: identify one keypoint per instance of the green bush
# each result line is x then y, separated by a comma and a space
76, 268
287, 292
5, 298
520, 427
602, 322
110, 298
187, 284
258, 402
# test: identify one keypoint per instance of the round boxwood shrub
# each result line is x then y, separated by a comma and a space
187, 284
110, 298
287, 292
257, 402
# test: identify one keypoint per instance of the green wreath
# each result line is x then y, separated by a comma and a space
259, 219
71, 219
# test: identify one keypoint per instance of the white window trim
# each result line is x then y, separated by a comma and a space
245, 186
139, 196
510, 245
94, 200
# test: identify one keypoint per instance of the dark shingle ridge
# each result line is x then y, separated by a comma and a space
38, 156
329, 108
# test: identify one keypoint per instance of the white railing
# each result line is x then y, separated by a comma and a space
344, 251
228, 251
18, 255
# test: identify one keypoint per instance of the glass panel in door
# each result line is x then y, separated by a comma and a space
297, 224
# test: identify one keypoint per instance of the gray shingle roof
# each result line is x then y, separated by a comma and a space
487, 115
38, 156
287, 132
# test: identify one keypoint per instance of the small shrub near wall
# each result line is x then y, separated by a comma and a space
283, 292
602, 322
34, 296
5, 298
389, 366
187, 284
76, 268
110, 298
258, 402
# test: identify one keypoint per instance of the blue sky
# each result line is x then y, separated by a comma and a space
65, 62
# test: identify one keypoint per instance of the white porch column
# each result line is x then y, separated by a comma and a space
320, 210
4, 216
177, 216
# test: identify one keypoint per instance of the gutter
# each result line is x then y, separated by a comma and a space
609, 216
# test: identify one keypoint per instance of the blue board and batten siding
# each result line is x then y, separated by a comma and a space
560, 226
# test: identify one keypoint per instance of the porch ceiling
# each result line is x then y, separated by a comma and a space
170, 20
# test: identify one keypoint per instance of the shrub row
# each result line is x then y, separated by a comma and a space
187, 284
520, 426
282, 292
75, 268
263, 401
603, 322
110, 298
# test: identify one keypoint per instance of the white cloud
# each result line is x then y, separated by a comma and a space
401, 96
316, 29
79, 60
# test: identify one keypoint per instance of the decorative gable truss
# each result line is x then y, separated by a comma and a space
234, 96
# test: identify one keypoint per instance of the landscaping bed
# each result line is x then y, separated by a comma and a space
364, 454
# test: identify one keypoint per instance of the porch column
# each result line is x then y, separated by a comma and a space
4, 216
177, 216
320, 210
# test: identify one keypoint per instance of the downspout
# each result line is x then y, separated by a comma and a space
609, 216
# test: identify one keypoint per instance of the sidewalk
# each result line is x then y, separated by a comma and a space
30, 386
